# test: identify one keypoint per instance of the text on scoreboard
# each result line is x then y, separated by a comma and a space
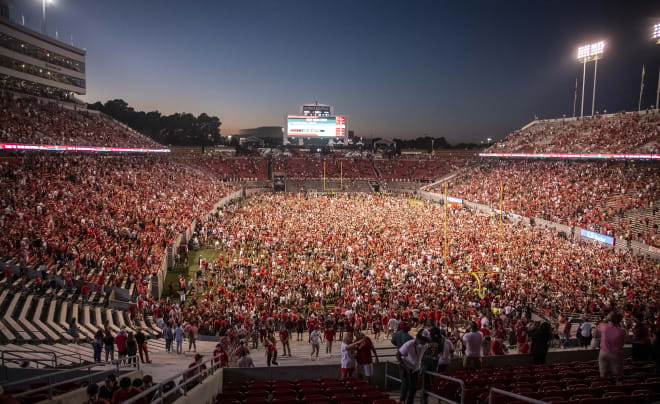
316, 126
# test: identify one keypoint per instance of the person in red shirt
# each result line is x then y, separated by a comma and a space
84, 291
220, 355
329, 335
271, 350
521, 333
285, 338
377, 327
363, 357
126, 391
196, 368
497, 347
121, 341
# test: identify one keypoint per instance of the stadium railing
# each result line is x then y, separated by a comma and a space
495, 391
183, 386
424, 391
128, 362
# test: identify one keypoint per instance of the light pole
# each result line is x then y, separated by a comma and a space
656, 37
588, 53
43, 15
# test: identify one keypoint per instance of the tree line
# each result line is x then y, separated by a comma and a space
178, 129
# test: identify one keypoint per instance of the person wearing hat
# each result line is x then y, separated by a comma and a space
410, 356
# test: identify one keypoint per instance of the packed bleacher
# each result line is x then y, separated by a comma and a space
28, 120
101, 217
418, 169
618, 133
619, 199
233, 168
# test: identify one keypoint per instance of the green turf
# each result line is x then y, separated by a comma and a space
210, 254
415, 202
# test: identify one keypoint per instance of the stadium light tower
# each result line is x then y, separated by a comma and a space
43, 15
656, 38
588, 53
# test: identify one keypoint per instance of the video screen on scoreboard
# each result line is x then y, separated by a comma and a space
316, 126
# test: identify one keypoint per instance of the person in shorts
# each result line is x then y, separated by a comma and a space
364, 356
348, 348
315, 340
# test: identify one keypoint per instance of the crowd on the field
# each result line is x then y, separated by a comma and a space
592, 195
108, 216
354, 262
619, 133
26, 120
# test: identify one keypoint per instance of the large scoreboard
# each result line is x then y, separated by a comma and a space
302, 126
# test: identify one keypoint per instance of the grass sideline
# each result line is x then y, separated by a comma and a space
210, 254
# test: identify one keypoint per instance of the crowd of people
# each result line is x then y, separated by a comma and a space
27, 120
592, 195
618, 133
420, 169
113, 217
292, 265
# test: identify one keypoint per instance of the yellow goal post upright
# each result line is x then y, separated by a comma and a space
341, 179
480, 290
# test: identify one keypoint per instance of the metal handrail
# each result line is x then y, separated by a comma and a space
393, 354
451, 379
118, 364
52, 360
213, 365
494, 391
55, 355
460, 382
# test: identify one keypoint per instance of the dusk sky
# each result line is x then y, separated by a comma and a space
465, 70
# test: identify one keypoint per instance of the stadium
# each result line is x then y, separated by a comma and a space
181, 265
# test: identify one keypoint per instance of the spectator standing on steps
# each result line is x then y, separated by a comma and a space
410, 356
120, 341
472, 341
178, 336
610, 357
169, 336
142, 346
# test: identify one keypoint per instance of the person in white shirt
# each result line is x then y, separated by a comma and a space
392, 326
584, 333
484, 322
472, 341
348, 351
446, 353
410, 356
315, 339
